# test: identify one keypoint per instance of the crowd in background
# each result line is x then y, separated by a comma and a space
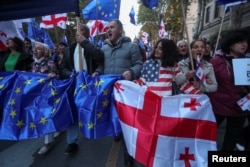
155, 67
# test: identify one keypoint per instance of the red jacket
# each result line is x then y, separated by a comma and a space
224, 100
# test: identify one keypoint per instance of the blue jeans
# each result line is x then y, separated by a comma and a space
73, 133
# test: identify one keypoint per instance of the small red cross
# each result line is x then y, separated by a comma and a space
186, 157
192, 105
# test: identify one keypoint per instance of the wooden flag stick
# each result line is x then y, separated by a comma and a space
185, 27
79, 46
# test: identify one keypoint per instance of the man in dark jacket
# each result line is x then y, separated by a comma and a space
82, 55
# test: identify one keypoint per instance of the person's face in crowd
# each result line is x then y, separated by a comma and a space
183, 48
84, 32
158, 50
39, 51
61, 48
239, 48
114, 32
10, 44
198, 49
208, 49
27, 44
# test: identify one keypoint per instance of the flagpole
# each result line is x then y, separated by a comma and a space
185, 27
218, 38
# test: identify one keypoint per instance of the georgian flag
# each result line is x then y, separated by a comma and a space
162, 32
244, 103
165, 131
51, 21
144, 37
200, 72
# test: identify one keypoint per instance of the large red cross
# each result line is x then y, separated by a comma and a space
151, 124
54, 21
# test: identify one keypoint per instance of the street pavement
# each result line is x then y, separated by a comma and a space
91, 153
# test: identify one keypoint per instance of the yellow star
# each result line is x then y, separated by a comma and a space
105, 103
100, 82
90, 125
53, 92
41, 80
13, 113
58, 100
75, 92
43, 120
32, 125
12, 102
1, 86
20, 123
99, 115
18, 90
83, 86
80, 124
27, 82
105, 92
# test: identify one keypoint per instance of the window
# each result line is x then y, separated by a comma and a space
217, 12
208, 11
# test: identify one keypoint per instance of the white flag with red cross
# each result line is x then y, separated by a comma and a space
162, 32
244, 103
165, 131
51, 21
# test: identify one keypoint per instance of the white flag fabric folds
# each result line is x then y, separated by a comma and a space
51, 21
165, 131
8, 29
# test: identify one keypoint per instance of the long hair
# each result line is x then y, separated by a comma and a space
169, 52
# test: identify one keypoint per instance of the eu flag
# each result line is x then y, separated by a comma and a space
95, 104
224, 2
132, 15
36, 106
35, 32
150, 3
102, 10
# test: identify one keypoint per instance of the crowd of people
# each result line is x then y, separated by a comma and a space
167, 62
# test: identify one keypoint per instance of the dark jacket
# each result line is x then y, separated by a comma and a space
23, 63
224, 100
92, 53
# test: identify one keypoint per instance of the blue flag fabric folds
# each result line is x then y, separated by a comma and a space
35, 106
102, 10
132, 15
224, 2
150, 3
95, 104
18, 9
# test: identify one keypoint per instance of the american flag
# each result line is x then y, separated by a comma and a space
158, 79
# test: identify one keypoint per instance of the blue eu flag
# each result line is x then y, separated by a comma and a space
132, 15
224, 2
95, 104
35, 106
102, 10
150, 3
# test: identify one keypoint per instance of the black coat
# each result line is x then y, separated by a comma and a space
23, 63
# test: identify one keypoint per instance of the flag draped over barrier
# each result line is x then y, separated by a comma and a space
165, 131
34, 105
94, 103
